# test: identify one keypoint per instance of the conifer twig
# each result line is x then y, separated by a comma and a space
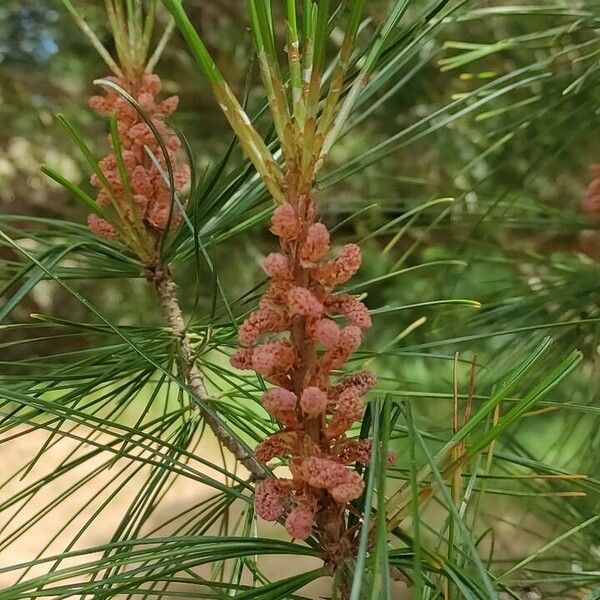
166, 290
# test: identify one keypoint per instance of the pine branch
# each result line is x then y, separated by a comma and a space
166, 290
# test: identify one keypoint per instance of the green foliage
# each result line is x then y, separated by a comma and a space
465, 148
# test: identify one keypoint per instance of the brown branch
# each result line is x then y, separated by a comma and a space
166, 290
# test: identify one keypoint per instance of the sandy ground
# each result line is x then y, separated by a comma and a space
60, 511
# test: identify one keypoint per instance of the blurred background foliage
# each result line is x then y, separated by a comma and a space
511, 235
517, 167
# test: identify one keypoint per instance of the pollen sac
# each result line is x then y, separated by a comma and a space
299, 522
269, 449
303, 302
278, 444
285, 223
326, 332
277, 265
260, 321
151, 84
344, 485
350, 451
100, 104
360, 383
346, 492
141, 182
242, 359
352, 308
279, 399
350, 409
341, 269
271, 357
348, 342
281, 404
316, 244
169, 105
313, 401
101, 227
269, 500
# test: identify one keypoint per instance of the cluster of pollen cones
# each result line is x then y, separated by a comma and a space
301, 333
146, 190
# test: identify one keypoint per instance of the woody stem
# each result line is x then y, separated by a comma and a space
166, 290
330, 523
